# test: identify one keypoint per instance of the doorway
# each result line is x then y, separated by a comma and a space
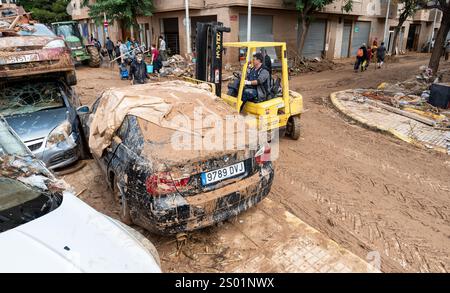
412, 42
171, 35
345, 49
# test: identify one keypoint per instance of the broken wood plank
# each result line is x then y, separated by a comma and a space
16, 20
403, 113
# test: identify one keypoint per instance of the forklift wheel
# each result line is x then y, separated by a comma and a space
293, 127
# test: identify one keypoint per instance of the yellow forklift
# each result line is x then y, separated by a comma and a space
282, 108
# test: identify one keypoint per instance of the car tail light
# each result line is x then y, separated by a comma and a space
162, 183
263, 155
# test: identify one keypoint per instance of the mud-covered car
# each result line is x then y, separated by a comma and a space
43, 112
35, 50
45, 228
157, 186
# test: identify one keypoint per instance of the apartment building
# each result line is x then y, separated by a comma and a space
333, 33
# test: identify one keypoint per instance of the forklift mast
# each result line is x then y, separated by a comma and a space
209, 49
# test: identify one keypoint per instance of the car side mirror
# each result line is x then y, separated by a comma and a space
83, 110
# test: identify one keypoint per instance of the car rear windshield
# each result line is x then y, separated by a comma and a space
23, 98
20, 203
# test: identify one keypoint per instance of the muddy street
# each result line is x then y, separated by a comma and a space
364, 190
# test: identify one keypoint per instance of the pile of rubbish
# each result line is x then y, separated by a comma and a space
410, 98
177, 66
14, 19
30, 172
303, 65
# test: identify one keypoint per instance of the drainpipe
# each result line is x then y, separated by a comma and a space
188, 28
386, 24
432, 32
249, 21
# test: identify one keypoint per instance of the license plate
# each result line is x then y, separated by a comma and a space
222, 173
19, 59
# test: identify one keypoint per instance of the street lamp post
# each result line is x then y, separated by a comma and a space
188, 28
249, 21
386, 23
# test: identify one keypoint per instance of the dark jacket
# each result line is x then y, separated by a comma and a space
138, 71
109, 45
262, 75
381, 52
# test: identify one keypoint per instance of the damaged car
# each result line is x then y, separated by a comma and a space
157, 186
45, 228
43, 112
28, 48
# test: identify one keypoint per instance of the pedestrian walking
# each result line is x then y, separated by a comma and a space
156, 59
110, 48
369, 57
381, 54
117, 51
138, 70
361, 58
162, 48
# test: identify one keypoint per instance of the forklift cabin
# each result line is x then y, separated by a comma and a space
281, 109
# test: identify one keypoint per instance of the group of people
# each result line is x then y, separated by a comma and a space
365, 55
129, 56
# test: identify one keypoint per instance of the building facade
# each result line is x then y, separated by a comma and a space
333, 34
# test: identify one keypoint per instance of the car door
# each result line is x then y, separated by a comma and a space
119, 155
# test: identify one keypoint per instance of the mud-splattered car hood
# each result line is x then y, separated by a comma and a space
16, 44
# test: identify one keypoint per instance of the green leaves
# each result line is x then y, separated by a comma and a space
47, 11
123, 10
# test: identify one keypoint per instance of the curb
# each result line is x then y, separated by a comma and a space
337, 104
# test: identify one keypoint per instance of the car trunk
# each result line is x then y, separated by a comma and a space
185, 164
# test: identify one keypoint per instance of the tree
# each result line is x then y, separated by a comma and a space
439, 41
410, 7
46, 11
305, 10
125, 11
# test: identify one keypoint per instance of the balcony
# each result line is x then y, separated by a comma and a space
423, 15
360, 7
394, 9
173, 5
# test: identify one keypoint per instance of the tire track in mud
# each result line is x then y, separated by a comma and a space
370, 235
365, 190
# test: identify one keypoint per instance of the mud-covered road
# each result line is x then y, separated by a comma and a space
365, 190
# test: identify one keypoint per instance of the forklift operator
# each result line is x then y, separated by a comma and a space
257, 83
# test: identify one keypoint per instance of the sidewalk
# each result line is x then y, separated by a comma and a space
281, 242
404, 128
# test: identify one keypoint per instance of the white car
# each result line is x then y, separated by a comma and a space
45, 228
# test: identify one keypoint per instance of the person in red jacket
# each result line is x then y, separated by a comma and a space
156, 59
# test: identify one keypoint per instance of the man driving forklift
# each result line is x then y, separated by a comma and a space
257, 82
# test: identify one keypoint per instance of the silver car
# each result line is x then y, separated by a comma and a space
43, 113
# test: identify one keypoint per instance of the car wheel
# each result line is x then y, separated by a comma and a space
95, 59
293, 127
120, 200
71, 78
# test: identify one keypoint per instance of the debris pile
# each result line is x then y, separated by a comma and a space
14, 19
30, 172
410, 98
177, 66
302, 65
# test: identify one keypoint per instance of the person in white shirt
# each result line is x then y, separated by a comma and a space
162, 48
